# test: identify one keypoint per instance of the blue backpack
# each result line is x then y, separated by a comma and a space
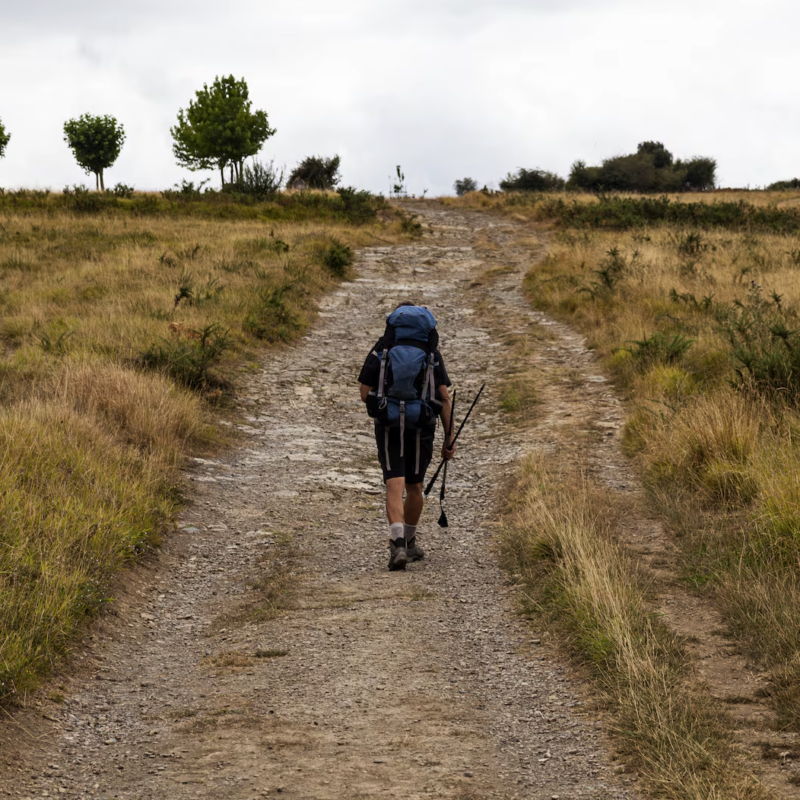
405, 397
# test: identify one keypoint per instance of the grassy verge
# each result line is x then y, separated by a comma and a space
120, 328
698, 323
559, 539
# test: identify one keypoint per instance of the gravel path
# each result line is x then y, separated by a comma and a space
363, 683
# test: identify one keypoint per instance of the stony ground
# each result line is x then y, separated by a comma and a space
267, 650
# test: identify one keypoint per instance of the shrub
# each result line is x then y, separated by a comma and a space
779, 186
359, 206
259, 180
315, 172
660, 348
624, 213
272, 319
611, 270
337, 257
122, 190
765, 343
465, 185
531, 180
190, 357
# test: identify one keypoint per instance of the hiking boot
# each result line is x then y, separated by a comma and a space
398, 557
414, 551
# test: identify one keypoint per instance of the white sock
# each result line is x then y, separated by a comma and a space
410, 531
396, 531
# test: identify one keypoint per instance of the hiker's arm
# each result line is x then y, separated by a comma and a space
447, 451
365, 390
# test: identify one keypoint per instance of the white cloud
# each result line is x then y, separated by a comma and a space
447, 88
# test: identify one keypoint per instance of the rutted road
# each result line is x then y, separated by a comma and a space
416, 684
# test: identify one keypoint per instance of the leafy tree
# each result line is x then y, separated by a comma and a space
220, 129
465, 185
316, 172
700, 173
531, 180
660, 155
95, 142
4, 139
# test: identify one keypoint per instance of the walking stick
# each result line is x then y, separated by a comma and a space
458, 433
443, 517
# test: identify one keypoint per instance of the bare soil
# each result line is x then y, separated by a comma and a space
267, 650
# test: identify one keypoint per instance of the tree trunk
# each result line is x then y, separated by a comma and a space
231, 172
102, 182
222, 174
97, 181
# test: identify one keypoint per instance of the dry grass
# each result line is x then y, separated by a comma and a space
559, 538
718, 453
98, 353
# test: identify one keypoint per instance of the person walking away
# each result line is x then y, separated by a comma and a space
404, 384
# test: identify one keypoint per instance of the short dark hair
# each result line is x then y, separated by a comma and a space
405, 303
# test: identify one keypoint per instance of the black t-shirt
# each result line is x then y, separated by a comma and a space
371, 371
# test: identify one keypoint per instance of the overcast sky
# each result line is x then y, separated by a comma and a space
446, 88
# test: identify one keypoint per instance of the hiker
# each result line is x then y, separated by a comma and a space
404, 385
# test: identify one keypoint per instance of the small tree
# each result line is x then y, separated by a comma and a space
465, 185
95, 142
316, 172
701, 173
219, 129
4, 139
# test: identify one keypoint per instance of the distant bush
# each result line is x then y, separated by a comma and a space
349, 205
259, 180
651, 169
359, 206
780, 186
623, 213
315, 172
465, 185
531, 180
122, 190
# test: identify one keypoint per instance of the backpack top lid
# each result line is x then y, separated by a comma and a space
412, 322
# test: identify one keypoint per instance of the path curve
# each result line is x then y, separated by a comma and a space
363, 683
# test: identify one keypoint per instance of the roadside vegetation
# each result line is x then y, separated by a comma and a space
693, 305
125, 325
559, 541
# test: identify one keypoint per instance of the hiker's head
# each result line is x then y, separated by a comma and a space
405, 303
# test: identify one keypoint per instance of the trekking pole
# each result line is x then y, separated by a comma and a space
458, 433
442, 516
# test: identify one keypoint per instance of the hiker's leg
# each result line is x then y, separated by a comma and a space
412, 508
394, 500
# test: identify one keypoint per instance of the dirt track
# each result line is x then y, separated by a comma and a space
423, 683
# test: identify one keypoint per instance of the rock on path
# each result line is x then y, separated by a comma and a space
366, 684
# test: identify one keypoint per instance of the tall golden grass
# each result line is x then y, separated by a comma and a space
91, 440
718, 454
559, 538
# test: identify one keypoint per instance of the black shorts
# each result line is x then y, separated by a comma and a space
417, 452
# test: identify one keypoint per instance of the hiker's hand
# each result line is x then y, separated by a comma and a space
448, 453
